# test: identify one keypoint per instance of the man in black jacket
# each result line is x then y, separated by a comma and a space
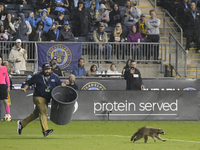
37, 33
192, 21
54, 33
114, 16
81, 19
54, 67
133, 78
66, 34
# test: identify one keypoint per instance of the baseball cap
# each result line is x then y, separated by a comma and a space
18, 41
66, 22
28, 76
40, 23
46, 66
118, 25
54, 58
143, 15
101, 24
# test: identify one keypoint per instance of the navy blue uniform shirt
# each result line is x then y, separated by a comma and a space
41, 84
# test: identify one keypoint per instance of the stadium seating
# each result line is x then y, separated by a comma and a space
12, 8
26, 8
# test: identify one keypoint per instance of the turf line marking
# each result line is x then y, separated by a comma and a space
121, 136
136, 114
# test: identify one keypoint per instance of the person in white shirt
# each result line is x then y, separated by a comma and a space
112, 69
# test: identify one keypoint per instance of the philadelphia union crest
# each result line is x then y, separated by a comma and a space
93, 86
62, 53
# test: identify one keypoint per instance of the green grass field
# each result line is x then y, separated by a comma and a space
100, 135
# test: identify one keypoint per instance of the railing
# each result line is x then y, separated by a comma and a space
197, 70
153, 4
175, 56
98, 52
180, 36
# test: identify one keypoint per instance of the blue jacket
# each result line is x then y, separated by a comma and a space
30, 20
78, 72
39, 90
47, 22
87, 4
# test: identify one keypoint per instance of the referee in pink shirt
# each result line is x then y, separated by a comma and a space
4, 78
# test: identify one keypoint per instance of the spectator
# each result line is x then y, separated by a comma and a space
114, 16
60, 19
54, 33
99, 35
182, 8
73, 4
133, 78
128, 65
18, 57
24, 2
81, 20
108, 3
71, 82
90, 2
103, 15
3, 13
30, 18
79, 69
38, 34
9, 24
192, 22
153, 24
142, 26
28, 77
47, 21
9, 1
54, 67
93, 12
135, 36
130, 16
3, 34
112, 69
42, 4
92, 71
61, 6
23, 28
66, 34
117, 36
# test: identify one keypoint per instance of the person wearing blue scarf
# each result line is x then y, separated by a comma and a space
54, 33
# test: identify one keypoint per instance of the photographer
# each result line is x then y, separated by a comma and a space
133, 77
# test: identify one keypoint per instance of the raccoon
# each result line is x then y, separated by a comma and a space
144, 132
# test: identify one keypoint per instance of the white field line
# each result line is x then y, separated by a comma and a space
121, 136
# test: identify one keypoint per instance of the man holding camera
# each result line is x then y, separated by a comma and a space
133, 78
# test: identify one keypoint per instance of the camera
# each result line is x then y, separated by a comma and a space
134, 4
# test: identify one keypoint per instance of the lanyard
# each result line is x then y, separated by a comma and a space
186, 6
194, 14
46, 82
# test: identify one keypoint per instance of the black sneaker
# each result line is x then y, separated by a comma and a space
47, 132
19, 127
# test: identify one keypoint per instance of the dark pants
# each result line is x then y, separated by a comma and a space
192, 35
153, 48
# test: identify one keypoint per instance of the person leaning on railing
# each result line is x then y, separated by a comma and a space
99, 35
118, 37
153, 32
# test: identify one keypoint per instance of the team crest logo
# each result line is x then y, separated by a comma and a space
62, 53
93, 86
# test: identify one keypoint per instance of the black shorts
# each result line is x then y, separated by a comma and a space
3, 92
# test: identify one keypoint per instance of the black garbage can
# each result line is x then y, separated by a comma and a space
62, 104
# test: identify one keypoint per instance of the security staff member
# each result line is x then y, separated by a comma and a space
56, 69
45, 82
133, 77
